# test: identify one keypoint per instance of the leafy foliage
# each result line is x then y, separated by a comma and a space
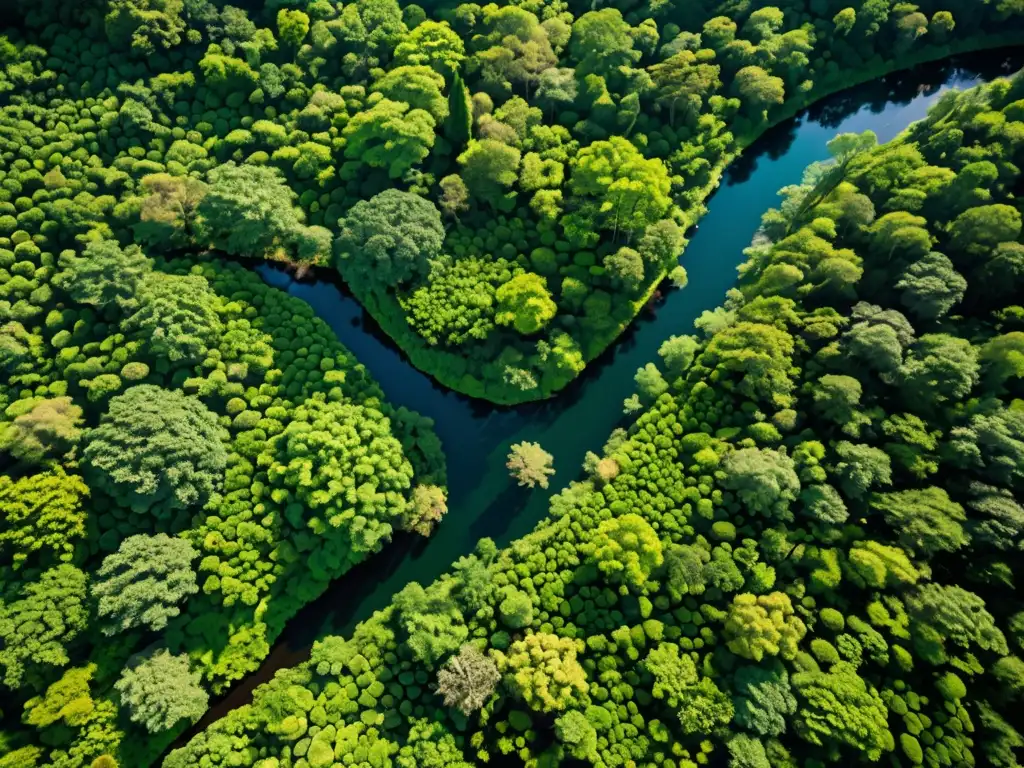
157, 450
159, 690
530, 464
142, 583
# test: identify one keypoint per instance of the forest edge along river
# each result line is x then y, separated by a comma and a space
483, 501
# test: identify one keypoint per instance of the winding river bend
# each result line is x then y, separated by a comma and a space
483, 501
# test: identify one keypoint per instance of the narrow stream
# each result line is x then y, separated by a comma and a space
483, 500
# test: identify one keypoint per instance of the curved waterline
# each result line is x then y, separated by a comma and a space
476, 435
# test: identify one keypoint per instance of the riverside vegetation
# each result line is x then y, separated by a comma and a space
803, 552
507, 184
189, 456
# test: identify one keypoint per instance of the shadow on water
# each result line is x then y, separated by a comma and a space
476, 435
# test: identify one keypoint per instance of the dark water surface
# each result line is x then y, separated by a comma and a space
483, 500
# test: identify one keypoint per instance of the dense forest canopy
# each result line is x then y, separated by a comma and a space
804, 550
503, 186
186, 462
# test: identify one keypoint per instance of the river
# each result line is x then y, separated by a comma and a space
483, 500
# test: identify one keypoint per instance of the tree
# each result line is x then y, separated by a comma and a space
538, 173
650, 382
519, 49
1002, 357
37, 627
248, 211
458, 126
877, 346
433, 44
760, 353
489, 169
557, 86
759, 89
901, 233
685, 572
428, 745
939, 368
321, 462
926, 520
837, 398
931, 286
625, 549
992, 441
525, 303
169, 209
765, 481
177, 317
66, 700
292, 27
382, 21
838, 708
682, 81
824, 504
626, 268
388, 239
845, 20
416, 85
760, 625
747, 752
860, 467
433, 624
616, 188
429, 506
390, 135
764, 700
530, 464
674, 674
1009, 672
104, 273
947, 618
156, 451
978, 230
661, 244
143, 583
467, 680
144, 24
1000, 739
705, 708
47, 431
516, 609
42, 515
601, 42
454, 195
999, 522
1003, 272
576, 732
677, 353
542, 670
160, 690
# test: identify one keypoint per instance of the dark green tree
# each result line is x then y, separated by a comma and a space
388, 239
156, 451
